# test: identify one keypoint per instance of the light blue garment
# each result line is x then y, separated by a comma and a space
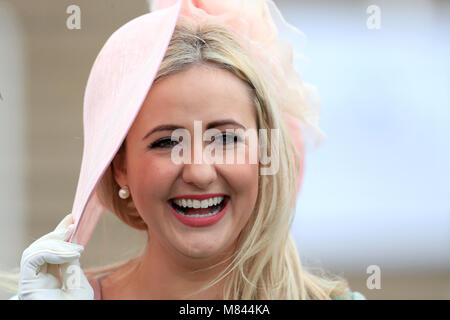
353, 295
358, 296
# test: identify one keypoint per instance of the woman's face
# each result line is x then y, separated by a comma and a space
203, 93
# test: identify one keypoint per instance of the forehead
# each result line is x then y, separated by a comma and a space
201, 92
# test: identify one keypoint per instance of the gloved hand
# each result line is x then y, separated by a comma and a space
39, 275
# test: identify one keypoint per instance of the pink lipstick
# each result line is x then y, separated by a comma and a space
199, 217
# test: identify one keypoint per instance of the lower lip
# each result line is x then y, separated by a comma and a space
201, 222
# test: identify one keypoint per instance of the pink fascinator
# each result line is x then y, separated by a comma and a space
126, 66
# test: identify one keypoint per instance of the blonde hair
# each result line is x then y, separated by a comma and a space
265, 264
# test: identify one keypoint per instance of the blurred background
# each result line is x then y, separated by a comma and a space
377, 193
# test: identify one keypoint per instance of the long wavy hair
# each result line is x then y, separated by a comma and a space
265, 264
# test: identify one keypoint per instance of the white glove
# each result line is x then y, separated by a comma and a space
39, 276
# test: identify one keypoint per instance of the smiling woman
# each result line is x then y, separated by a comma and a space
195, 235
246, 250
215, 230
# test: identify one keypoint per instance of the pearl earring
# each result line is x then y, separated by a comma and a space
124, 192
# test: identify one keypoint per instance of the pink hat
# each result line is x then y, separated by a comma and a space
126, 66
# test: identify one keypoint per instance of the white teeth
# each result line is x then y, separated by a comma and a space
205, 204
192, 203
199, 215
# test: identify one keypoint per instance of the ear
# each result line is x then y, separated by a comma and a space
119, 169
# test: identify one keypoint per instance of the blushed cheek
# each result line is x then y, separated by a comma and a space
249, 177
152, 180
244, 181
247, 174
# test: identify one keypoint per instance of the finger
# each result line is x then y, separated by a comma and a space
31, 266
49, 268
41, 281
39, 268
49, 252
70, 230
60, 234
65, 222
55, 243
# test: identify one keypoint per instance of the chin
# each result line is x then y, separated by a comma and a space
200, 250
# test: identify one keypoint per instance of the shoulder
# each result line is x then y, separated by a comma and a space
351, 295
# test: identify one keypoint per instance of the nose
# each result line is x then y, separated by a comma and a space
202, 175
199, 171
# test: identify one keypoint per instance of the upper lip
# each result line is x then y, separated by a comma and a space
199, 196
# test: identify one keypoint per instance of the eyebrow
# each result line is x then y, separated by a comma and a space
170, 127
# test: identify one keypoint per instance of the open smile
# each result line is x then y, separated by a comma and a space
199, 210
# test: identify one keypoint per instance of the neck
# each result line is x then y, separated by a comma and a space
161, 274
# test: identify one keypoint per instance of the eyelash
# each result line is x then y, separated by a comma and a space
159, 143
